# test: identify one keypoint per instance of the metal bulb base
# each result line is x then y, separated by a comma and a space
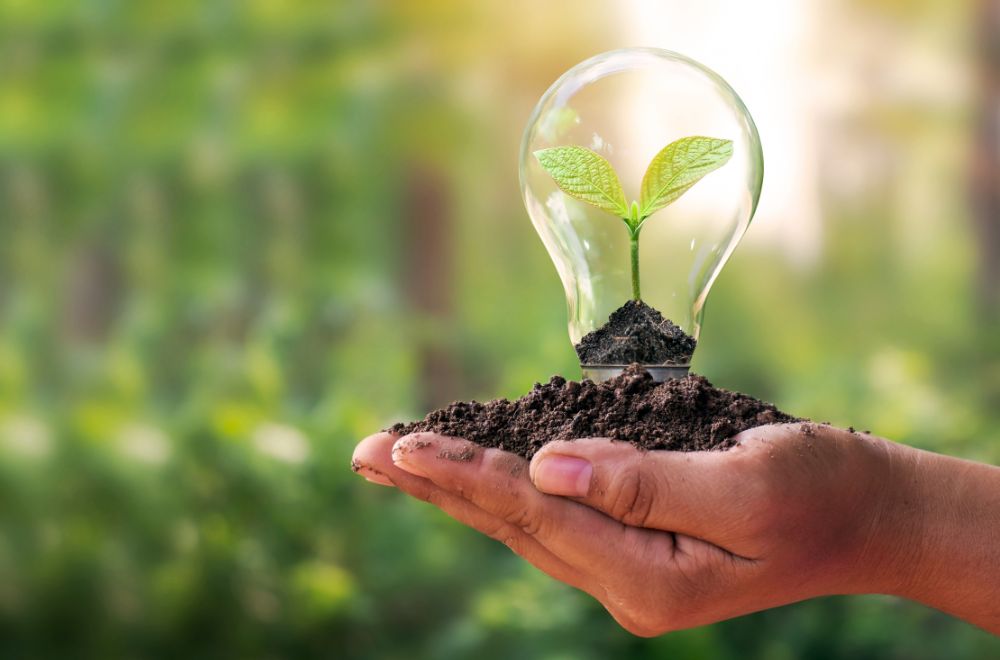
601, 372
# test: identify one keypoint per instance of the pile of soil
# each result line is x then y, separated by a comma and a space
685, 414
636, 333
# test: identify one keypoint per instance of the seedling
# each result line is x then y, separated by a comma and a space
587, 176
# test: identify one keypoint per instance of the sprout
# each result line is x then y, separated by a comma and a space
587, 176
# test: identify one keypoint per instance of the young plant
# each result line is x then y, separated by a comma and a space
587, 176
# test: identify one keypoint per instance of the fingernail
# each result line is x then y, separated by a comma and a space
375, 477
400, 458
370, 474
563, 475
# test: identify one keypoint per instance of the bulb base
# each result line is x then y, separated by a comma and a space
660, 373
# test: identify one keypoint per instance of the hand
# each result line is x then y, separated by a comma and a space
668, 540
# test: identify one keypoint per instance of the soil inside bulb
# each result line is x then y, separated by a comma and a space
636, 332
685, 414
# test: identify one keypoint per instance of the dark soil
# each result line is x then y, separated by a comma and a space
686, 414
636, 333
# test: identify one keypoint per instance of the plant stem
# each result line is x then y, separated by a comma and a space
634, 244
634, 224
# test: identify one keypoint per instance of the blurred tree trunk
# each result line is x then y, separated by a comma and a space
428, 280
985, 176
94, 290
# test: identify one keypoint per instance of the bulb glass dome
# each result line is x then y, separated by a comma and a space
626, 106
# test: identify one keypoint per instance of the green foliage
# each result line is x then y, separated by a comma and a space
194, 334
587, 176
677, 167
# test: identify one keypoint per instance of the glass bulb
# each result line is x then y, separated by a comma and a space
627, 105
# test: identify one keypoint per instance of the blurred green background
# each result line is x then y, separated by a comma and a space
236, 237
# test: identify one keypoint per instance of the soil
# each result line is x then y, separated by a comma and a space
635, 332
685, 414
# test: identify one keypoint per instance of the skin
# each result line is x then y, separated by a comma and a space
668, 540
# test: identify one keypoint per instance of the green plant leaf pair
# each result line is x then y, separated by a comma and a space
587, 176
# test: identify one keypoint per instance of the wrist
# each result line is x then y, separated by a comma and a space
937, 535
904, 509
890, 534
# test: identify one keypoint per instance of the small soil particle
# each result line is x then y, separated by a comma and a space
685, 414
463, 456
411, 447
513, 465
636, 332
358, 466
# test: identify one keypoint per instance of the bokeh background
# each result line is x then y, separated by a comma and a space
236, 237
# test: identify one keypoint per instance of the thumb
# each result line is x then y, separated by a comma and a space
694, 493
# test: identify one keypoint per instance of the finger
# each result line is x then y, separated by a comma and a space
366, 458
635, 570
374, 455
497, 482
693, 493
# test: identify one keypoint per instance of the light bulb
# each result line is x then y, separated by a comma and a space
626, 106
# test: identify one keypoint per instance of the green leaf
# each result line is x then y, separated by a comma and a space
680, 165
585, 175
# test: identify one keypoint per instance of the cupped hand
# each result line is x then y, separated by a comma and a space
668, 540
